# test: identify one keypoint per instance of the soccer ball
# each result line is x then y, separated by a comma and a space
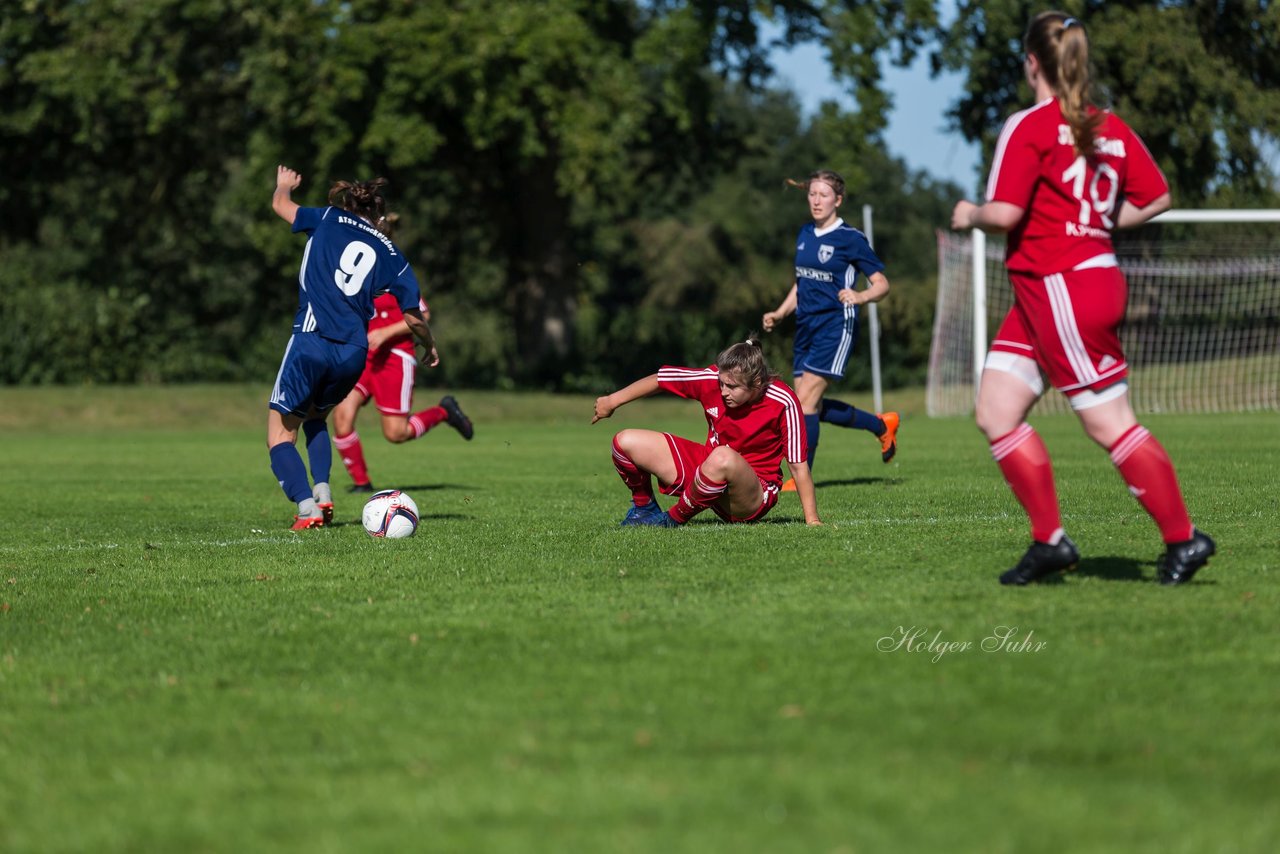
391, 514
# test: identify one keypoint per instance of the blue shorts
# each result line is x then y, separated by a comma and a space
824, 342
315, 372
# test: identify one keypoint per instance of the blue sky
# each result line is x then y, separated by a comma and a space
915, 131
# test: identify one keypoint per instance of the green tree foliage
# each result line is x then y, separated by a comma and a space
585, 185
1199, 81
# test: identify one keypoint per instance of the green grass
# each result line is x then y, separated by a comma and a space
180, 673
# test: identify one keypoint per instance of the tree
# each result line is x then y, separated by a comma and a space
1200, 82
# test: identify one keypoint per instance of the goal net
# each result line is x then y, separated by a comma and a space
1202, 330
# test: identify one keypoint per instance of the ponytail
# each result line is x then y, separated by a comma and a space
1061, 46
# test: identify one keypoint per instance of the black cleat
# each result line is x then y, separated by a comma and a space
1042, 559
455, 418
1181, 560
361, 487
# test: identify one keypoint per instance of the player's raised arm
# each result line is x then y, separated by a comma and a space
608, 404
281, 201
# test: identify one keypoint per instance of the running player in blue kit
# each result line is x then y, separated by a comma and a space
347, 261
830, 255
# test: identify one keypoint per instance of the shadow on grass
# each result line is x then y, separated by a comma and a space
1111, 569
855, 481
358, 523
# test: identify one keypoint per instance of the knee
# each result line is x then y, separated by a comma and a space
993, 423
719, 463
625, 440
397, 436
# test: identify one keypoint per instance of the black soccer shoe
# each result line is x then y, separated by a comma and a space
1181, 560
361, 487
455, 418
1042, 559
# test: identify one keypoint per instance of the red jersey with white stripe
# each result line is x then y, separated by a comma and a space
1071, 203
764, 433
386, 312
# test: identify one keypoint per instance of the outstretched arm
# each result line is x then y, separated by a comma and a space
804, 488
286, 182
422, 331
605, 406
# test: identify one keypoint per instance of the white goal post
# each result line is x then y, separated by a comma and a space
1202, 330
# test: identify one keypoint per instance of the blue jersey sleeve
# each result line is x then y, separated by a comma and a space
405, 288
865, 260
308, 219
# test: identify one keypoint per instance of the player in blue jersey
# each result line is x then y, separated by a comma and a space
830, 256
346, 262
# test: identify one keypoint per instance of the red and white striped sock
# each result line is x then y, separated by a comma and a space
639, 482
423, 421
1147, 469
352, 454
698, 496
1024, 462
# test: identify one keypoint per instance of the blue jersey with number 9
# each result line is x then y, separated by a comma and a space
346, 263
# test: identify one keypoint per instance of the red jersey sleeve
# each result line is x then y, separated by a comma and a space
688, 382
1016, 164
795, 443
1144, 182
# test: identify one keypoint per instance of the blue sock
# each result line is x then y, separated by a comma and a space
811, 433
844, 415
286, 464
319, 452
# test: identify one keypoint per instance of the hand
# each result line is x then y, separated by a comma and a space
287, 179
962, 215
849, 296
604, 408
813, 523
431, 359
377, 337
769, 320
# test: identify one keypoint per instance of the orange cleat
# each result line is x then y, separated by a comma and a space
301, 524
790, 485
326, 510
889, 439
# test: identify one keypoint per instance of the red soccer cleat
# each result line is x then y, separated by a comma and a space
326, 511
301, 524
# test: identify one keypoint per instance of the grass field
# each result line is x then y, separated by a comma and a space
178, 672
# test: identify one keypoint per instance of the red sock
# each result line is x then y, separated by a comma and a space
639, 482
423, 421
1024, 462
352, 456
1145, 466
698, 496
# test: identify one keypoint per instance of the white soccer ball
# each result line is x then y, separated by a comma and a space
391, 514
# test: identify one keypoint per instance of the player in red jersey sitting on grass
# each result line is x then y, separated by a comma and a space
754, 421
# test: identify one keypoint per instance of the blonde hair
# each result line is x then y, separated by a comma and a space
746, 360
1060, 44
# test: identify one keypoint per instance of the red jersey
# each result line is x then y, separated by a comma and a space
765, 433
386, 312
1071, 203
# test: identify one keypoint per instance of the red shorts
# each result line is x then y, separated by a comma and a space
388, 379
688, 456
1068, 323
